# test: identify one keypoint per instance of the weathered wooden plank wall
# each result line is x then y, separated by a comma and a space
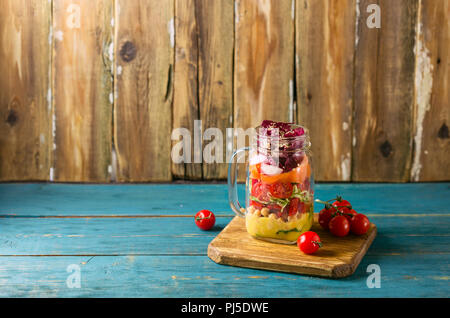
431, 107
82, 86
384, 94
186, 104
93, 90
264, 56
325, 40
144, 57
215, 20
263, 63
25, 112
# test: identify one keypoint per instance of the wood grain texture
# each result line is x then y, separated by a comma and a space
186, 106
64, 200
198, 276
337, 258
215, 20
144, 46
384, 93
264, 55
432, 84
227, 63
325, 39
82, 89
263, 65
93, 235
25, 113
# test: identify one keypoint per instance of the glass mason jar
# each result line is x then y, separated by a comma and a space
279, 186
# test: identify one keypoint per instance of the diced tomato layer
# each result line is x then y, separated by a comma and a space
293, 206
260, 190
256, 205
280, 190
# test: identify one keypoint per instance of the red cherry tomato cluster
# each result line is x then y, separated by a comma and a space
340, 218
205, 219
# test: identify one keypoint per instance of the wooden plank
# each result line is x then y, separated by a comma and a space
264, 58
180, 236
215, 20
384, 93
418, 229
82, 91
186, 108
263, 64
25, 112
186, 199
105, 236
180, 276
325, 39
432, 79
144, 46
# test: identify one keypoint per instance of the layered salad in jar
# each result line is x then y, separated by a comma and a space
280, 187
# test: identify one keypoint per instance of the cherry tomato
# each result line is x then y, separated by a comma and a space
325, 216
293, 206
309, 242
257, 205
343, 205
360, 224
205, 219
339, 225
280, 190
350, 214
256, 191
256, 188
260, 191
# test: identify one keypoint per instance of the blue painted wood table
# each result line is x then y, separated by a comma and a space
141, 241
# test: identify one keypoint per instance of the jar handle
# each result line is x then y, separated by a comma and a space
232, 183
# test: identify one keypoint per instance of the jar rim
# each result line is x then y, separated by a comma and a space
264, 143
260, 135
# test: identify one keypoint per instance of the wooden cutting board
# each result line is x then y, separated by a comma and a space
339, 257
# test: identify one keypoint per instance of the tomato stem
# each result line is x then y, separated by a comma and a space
341, 213
329, 206
318, 243
337, 198
198, 218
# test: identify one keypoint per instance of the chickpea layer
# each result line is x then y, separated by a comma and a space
263, 224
